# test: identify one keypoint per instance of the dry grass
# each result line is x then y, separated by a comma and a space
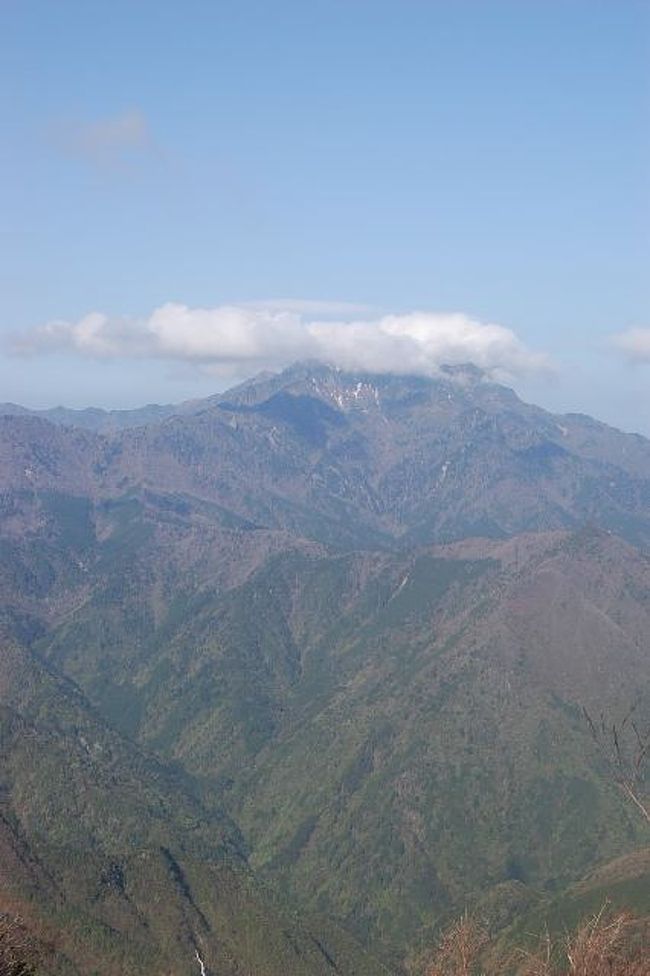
460, 949
604, 945
16, 949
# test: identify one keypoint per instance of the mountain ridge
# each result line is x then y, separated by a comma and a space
409, 458
364, 612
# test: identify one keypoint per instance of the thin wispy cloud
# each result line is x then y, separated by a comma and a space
110, 142
238, 339
633, 344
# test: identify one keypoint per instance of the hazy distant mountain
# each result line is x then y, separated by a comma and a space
364, 614
94, 418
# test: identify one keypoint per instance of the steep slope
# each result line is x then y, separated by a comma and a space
451, 754
366, 611
624, 883
364, 460
353, 460
107, 857
395, 733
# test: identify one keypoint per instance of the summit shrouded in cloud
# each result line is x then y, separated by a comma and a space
407, 157
236, 339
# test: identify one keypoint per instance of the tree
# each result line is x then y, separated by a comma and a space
625, 748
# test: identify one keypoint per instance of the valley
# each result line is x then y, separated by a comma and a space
322, 641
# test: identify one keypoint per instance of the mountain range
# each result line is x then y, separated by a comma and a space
324, 640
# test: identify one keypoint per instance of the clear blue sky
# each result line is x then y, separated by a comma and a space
486, 157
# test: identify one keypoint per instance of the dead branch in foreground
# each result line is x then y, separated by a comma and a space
605, 945
625, 747
16, 948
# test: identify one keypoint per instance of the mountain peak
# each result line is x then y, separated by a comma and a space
462, 373
352, 389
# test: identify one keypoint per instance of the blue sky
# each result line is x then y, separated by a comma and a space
485, 158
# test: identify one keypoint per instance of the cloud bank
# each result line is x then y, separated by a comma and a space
634, 344
236, 340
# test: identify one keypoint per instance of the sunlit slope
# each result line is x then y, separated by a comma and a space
394, 733
109, 860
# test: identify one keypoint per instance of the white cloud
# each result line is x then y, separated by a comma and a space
634, 344
240, 339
